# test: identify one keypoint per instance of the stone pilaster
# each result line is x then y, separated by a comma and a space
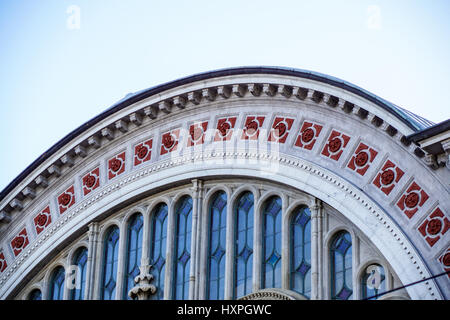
91, 272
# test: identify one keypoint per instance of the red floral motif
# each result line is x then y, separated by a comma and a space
412, 199
434, 226
143, 152
444, 259
42, 220
197, 133
387, 178
335, 145
116, 165
91, 181
251, 127
362, 158
169, 141
3, 263
225, 128
66, 199
280, 129
20, 242
308, 135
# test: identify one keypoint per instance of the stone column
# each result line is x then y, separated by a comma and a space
198, 239
316, 250
91, 261
197, 186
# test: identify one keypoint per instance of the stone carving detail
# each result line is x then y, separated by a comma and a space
3, 263
225, 128
335, 145
169, 141
143, 152
387, 178
444, 259
412, 200
197, 133
19, 242
362, 158
143, 289
280, 129
274, 294
42, 220
251, 127
308, 135
434, 226
116, 165
91, 181
66, 199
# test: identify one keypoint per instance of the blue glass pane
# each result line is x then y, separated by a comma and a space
134, 251
373, 282
80, 260
111, 256
217, 237
183, 232
158, 248
57, 284
244, 245
272, 243
341, 267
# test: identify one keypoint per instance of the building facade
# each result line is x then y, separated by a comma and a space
244, 183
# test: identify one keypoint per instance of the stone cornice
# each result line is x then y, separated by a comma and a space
10, 198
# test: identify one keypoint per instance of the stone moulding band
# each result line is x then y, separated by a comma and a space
163, 106
309, 175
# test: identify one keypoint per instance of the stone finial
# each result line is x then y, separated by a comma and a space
143, 288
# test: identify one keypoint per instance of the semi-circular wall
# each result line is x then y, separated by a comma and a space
334, 142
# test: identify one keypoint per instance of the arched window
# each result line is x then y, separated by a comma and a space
271, 266
36, 294
243, 248
80, 263
373, 281
341, 267
134, 251
217, 246
158, 248
57, 284
300, 235
182, 248
110, 262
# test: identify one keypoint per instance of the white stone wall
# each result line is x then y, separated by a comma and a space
395, 234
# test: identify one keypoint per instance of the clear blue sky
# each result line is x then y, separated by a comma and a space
58, 71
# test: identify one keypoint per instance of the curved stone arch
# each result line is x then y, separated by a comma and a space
274, 294
31, 288
277, 86
130, 213
48, 277
238, 192
155, 203
73, 250
362, 271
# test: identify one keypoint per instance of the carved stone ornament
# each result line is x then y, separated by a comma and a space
143, 289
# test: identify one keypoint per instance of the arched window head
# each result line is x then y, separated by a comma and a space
36, 294
158, 249
57, 284
183, 212
341, 266
217, 246
271, 266
78, 274
110, 263
243, 248
373, 281
134, 251
300, 246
